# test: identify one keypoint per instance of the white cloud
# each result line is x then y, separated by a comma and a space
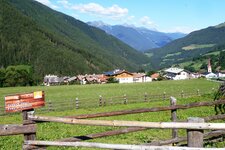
48, 3
130, 18
96, 9
64, 3
145, 21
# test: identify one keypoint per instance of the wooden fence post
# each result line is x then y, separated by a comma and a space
111, 101
198, 93
50, 106
77, 103
145, 99
104, 102
195, 137
182, 94
125, 99
164, 95
100, 100
173, 102
30, 136
26, 121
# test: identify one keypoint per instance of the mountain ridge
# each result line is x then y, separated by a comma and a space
139, 38
195, 44
55, 43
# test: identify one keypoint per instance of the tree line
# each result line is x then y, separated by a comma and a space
19, 75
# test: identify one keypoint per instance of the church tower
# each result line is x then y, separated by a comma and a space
209, 66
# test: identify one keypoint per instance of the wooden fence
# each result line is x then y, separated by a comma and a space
195, 128
101, 101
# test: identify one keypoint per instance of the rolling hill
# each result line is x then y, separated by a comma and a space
139, 38
193, 45
199, 63
55, 43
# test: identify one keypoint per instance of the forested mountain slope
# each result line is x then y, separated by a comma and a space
193, 45
54, 43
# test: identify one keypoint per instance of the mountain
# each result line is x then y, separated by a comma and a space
199, 63
176, 35
193, 45
54, 43
139, 38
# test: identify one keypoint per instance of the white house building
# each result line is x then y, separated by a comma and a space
52, 80
141, 77
221, 74
176, 74
123, 76
210, 75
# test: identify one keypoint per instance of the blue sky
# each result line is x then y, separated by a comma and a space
162, 15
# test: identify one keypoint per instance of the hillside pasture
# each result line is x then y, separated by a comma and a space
197, 46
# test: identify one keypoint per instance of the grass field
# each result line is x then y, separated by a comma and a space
54, 131
174, 54
196, 46
92, 91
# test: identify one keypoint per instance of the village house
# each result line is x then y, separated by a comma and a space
96, 78
123, 76
155, 76
176, 74
52, 80
141, 77
92, 78
72, 79
209, 75
221, 74
195, 75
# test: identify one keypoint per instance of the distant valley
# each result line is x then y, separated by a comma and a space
141, 39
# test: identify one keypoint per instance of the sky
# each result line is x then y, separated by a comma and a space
162, 15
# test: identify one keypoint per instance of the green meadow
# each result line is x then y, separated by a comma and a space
92, 91
196, 46
55, 131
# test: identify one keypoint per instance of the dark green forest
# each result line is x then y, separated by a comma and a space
53, 43
20, 75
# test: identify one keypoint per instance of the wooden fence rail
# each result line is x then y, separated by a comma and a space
111, 146
206, 136
134, 126
102, 134
135, 129
15, 129
117, 123
143, 110
193, 128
